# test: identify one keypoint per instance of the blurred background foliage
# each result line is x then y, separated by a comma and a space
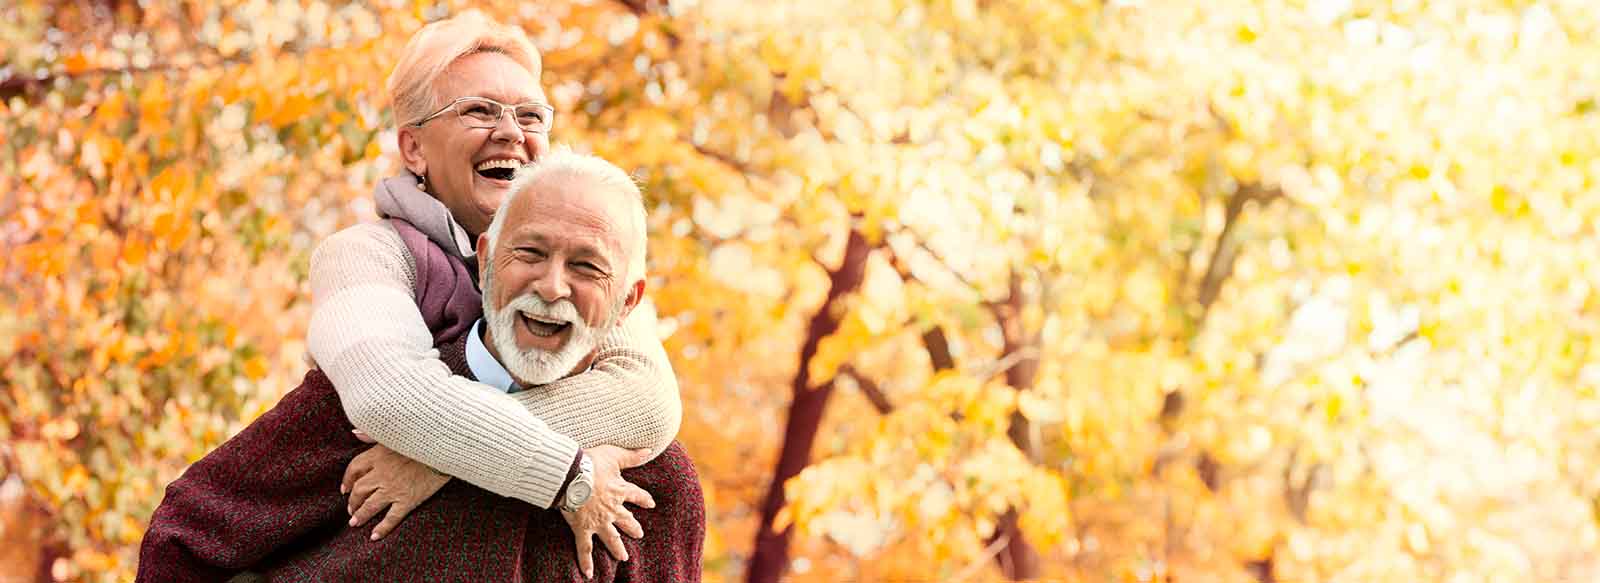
1242, 290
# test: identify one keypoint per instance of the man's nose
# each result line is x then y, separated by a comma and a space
552, 284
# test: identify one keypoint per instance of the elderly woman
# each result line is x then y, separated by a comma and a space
470, 112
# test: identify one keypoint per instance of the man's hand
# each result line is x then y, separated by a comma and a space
604, 513
380, 479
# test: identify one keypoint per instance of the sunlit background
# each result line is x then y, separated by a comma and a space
1274, 290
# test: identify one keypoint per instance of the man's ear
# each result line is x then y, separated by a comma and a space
635, 295
411, 150
483, 257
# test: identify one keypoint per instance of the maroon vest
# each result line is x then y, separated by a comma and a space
446, 290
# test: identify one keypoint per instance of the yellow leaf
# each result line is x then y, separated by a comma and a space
1334, 407
291, 110
132, 531
782, 521
153, 104
255, 368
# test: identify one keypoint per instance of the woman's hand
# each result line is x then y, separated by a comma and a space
604, 513
380, 479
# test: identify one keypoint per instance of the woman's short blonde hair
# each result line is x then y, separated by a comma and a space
433, 48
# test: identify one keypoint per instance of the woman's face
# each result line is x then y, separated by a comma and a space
459, 161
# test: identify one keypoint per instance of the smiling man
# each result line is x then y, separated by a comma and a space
565, 246
563, 267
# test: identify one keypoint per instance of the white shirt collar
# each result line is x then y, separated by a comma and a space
483, 365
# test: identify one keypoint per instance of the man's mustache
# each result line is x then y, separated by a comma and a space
561, 310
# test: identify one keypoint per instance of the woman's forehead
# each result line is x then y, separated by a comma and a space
492, 75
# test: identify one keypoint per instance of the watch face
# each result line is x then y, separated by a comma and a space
578, 492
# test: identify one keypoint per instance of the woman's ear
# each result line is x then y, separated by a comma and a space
411, 150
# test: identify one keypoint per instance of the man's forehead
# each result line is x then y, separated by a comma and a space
571, 202
577, 192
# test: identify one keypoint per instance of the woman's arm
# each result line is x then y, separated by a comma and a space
366, 333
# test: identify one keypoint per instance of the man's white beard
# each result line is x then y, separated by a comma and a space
537, 366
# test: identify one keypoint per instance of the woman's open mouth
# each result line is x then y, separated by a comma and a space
501, 169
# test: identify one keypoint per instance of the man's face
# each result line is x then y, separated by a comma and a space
556, 282
460, 161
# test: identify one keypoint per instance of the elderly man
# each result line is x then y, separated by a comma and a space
563, 265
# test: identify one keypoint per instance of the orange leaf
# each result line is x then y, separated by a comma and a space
162, 226
135, 252
76, 63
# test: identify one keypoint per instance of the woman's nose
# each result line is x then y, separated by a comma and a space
506, 128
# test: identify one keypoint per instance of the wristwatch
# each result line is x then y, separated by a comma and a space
581, 488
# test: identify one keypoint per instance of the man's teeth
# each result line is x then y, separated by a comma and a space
541, 327
543, 320
502, 163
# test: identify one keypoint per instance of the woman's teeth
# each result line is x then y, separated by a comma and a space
502, 169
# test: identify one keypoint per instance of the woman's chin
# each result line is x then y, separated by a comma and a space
488, 192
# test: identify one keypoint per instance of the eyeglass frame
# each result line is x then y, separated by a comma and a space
550, 112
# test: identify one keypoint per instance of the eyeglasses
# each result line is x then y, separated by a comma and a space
482, 112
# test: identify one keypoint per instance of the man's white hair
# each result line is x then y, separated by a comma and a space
564, 166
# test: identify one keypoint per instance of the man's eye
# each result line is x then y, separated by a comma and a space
475, 110
530, 252
587, 267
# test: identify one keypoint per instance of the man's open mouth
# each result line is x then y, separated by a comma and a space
501, 169
540, 326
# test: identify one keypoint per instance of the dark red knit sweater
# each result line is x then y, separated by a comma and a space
268, 501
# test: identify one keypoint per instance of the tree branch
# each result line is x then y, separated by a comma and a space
989, 553
19, 86
900, 267
938, 346
726, 160
1220, 266
870, 389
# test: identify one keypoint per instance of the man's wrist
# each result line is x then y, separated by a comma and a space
581, 487
572, 473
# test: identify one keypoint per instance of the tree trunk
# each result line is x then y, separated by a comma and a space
1018, 560
771, 554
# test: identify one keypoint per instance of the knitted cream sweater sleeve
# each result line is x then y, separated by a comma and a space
368, 336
